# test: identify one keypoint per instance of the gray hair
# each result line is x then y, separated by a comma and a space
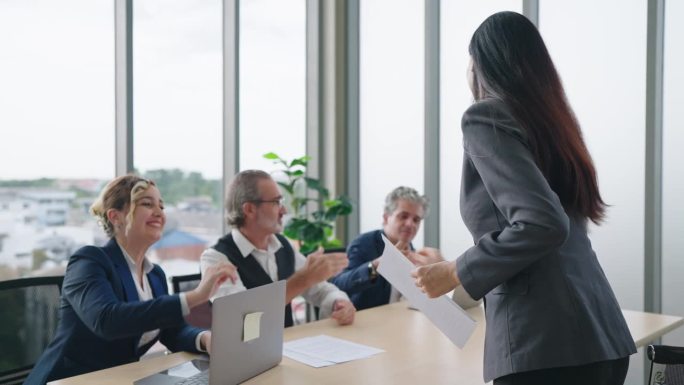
242, 189
408, 194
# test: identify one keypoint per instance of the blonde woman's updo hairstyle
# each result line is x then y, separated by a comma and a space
120, 193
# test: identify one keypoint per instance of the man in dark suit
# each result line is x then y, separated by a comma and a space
403, 213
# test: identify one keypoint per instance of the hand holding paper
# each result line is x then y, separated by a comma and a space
455, 323
436, 279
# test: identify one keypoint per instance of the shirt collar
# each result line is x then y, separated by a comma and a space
410, 243
246, 247
147, 265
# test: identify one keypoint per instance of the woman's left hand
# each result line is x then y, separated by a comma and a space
205, 341
436, 279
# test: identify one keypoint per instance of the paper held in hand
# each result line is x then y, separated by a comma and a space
453, 321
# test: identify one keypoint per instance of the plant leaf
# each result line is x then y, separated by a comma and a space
332, 243
286, 187
311, 233
308, 248
316, 185
303, 161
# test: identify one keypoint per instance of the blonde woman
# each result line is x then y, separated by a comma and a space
115, 304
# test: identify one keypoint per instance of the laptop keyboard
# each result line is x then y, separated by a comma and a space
201, 378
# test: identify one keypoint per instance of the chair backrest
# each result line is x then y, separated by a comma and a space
667, 365
183, 283
200, 315
30, 310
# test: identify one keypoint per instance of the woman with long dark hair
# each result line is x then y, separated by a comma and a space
528, 190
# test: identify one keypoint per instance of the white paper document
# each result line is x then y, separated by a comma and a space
453, 321
324, 350
184, 370
306, 359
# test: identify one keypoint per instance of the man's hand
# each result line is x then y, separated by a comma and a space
205, 341
212, 278
343, 312
319, 267
403, 246
425, 256
436, 279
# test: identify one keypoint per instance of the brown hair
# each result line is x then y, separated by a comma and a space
511, 63
118, 194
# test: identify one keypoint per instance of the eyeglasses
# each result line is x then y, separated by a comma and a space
276, 201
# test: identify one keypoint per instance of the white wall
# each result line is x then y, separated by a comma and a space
673, 169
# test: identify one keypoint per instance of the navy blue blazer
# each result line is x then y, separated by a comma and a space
102, 319
355, 279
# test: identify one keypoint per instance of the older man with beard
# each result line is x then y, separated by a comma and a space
261, 255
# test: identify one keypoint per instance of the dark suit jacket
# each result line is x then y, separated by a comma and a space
355, 279
102, 320
548, 302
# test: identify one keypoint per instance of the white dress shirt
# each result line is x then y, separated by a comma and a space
145, 294
323, 294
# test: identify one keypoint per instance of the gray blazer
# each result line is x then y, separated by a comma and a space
547, 300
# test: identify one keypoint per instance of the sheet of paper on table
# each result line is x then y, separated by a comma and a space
444, 313
324, 350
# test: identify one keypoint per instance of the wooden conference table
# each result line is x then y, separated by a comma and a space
415, 352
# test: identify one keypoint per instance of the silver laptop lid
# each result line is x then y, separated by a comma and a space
247, 333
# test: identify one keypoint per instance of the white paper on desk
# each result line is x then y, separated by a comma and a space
453, 321
306, 359
184, 370
328, 349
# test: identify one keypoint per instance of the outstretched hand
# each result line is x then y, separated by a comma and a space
319, 266
212, 278
425, 256
422, 257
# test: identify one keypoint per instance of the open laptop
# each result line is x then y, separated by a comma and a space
246, 339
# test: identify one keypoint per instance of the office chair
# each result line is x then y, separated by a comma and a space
667, 365
30, 308
200, 315
183, 283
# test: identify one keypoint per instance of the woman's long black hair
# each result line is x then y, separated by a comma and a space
511, 63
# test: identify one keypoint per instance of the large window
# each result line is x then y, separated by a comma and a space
459, 19
57, 145
177, 83
272, 81
391, 120
602, 65
673, 172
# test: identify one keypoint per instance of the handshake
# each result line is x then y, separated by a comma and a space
422, 257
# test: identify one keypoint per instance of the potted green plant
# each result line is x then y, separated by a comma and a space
310, 228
